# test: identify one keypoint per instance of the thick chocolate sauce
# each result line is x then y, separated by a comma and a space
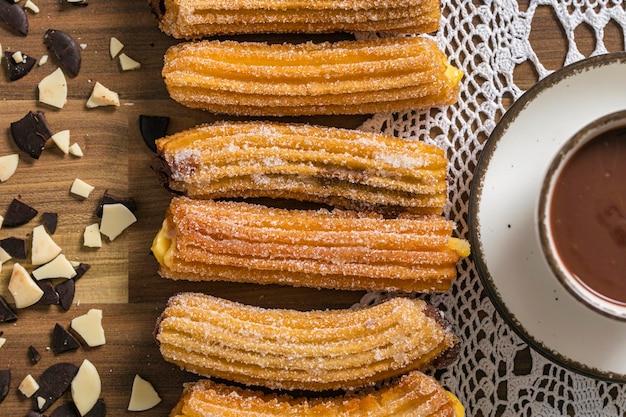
588, 214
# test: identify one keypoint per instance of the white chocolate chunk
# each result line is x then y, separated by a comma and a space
89, 327
143, 395
43, 60
1, 222
83, 46
127, 63
23, 288
28, 386
44, 249
81, 188
53, 89
102, 96
86, 387
17, 56
8, 166
29, 5
115, 219
59, 267
76, 150
115, 46
41, 402
4, 255
92, 237
62, 140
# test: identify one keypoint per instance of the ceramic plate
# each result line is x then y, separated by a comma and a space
503, 213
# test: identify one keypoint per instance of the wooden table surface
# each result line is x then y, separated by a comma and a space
122, 280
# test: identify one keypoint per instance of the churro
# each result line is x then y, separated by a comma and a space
340, 167
189, 19
206, 240
302, 350
346, 77
414, 394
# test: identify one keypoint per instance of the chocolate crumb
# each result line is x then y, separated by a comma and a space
65, 49
18, 213
50, 221
153, 128
14, 246
14, 16
31, 132
34, 355
62, 340
6, 312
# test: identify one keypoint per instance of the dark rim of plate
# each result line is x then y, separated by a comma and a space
476, 190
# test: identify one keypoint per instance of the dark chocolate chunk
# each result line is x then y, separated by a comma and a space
66, 290
50, 296
5, 383
34, 355
6, 312
14, 246
62, 340
18, 213
65, 49
31, 133
17, 70
53, 382
98, 410
33, 413
65, 410
80, 271
14, 16
50, 221
153, 128
111, 199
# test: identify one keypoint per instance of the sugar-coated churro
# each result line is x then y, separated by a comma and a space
302, 350
198, 18
346, 77
340, 167
206, 240
414, 394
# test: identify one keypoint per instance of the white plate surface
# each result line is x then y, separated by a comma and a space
503, 213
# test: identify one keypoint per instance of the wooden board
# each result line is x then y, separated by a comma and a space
122, 280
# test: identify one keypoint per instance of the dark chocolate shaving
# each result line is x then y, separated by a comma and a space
31, 133
65, 49
14, 16
66, 290
80, 271
65, 410
34, 355
18, 213
98, 410
14, 246
50, 221
6, 312
62, 340
17, 70
111, 199
53, 382
5, 383
50, 296
153, 128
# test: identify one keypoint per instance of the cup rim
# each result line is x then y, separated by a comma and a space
576, 287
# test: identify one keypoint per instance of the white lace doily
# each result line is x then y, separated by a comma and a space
488, 40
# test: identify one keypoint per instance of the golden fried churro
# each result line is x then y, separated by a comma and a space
340, 167
312, 350
198, 18
414, 394
346, 77
206, 240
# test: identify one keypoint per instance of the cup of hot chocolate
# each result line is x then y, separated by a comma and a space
582, 215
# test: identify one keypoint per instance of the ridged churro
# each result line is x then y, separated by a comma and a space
345, 77
296, 350
339, 167
206, 240
189, 19
414, 394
